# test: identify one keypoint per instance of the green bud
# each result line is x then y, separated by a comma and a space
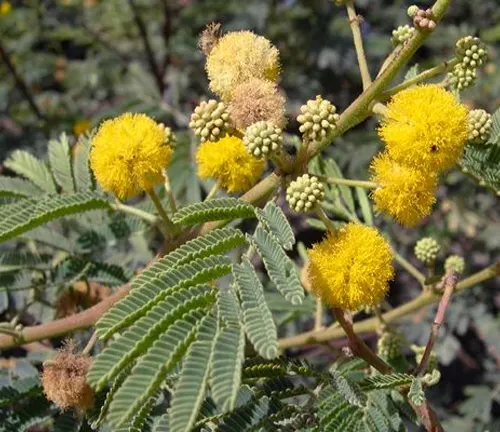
427, 250
455, 262
305, 193
210, 120
479, 123
263, 139
402, 34
318, 117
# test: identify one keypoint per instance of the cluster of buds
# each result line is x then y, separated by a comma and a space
318, 117
419, 354
263, 139
210, 120
479, 123
389, 345
402, 34
456, 263
422, 19
170, 139
427, 250
471, 54
305, 193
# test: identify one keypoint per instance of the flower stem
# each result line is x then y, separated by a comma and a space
409, 267
213, 191
348, 182
354, 21
90, 344
425, 75
318, 315
325, 219
168, 191
132, 211
168, 224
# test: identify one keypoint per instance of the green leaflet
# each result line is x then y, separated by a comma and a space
190, 389
275, 221
228, 306
136, 340
215, 242
29, 213
141, 300
140, 421
385, 381
228, 356
348, 389
365, 205
28, 166
81, 168
60, 163
214, 210
416, 393
258, 320
279, 266
17, 187
150, 371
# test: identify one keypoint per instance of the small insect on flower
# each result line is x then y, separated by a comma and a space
404, 193
425, 127
351, 269
129, 153
237, 57
228, 162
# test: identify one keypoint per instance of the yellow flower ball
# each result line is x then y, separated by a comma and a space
228, 162
80, 127
351, 269
404, 193
237, 57
5, 8
425, 127
128, 154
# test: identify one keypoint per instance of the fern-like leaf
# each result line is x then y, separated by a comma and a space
32, 168
60, 163
17, 187
257, 318
229, 353
416, 393
279, 266
385, 381
348, 389
213, 210
228, 307
190, 389
151, 370
483, 164
275, 221
141, 300
29, 213
138, 338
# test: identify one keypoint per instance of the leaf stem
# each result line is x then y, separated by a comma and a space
354, 21
133, 211
325, 219
169, 225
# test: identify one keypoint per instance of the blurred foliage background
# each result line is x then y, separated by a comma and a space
67, 64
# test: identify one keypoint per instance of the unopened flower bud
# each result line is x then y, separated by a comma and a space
318, 117
471, 52
424, 20
210, 120
462, 77
305, 193
170, 138
479, 123
402, 34
263, 139
427, 250
412, 11
456, 263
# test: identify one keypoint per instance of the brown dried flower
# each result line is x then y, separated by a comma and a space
209, 37
257, 100
64, 379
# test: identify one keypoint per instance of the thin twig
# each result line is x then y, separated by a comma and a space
325, 219
318, 315
348, 182
212, 191
90, 344
134, 211
20, 83
409, 267
354, 20
153, 64
358, 345
450, 282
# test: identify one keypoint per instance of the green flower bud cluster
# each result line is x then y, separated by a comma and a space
389, 345
210, 120
471, 53
479, 123
263, 139
402, 34
427, 250
455, 262
305, 193
419, 354
318, 117
170, 138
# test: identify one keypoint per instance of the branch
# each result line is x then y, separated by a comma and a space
20, 83
359, 346
450, 282
153, 65
354, 21
370, 325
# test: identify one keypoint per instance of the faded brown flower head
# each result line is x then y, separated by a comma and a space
257, 100
209, 37
64, 380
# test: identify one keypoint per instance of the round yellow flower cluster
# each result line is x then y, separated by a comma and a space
242, 69
424, 131
350, 269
